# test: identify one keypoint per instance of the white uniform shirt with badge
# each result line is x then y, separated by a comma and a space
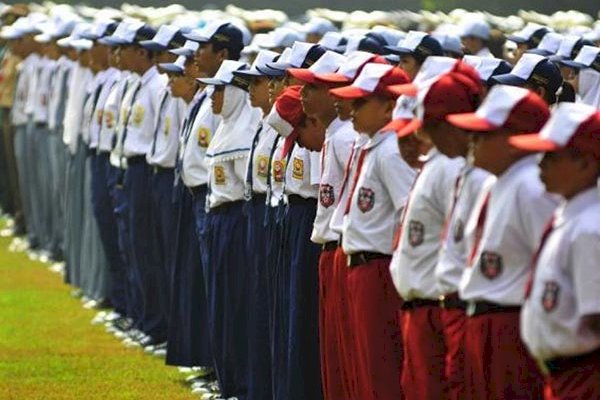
227, 181
116, 155
337, 219
63, 68
110, 77
78, 84
141, 123
193, 147
453, 253
260, 158
566, 287
517, 212
414, 261
88, 107
277, 176
111, 110
24, 80
163, 150
302, 174
380, 193
32, 90
339, 139
47, 67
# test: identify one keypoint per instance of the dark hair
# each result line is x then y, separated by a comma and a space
233, 53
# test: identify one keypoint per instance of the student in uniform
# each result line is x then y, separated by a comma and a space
255, 188
475, 35
503, 232
414, 50
526, 39
561, 314
336, 295
587, 79
226, 272
318, 103
432, 351
377, 191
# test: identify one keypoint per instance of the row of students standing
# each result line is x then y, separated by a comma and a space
272, 221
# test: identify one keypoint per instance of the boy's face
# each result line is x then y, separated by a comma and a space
491, 151
371, 113
191, 69
207, 60
276, 86
217, 99
343, 107
411, 148
164, 57
177, 84
410, 65
316, 99
259, 92
311, 134
449, 140
471, 44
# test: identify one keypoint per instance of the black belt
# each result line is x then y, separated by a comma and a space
226, 207
259, 198
419, 303
452, 301
330, 246
559, 364
196, 191
365, 257
90, 152
297, 199
157, 169
104, 154
136, 160
475, 308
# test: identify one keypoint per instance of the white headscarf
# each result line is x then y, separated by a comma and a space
233, 137
589, 87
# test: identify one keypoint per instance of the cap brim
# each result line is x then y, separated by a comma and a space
333, 78
508, 79
470, 122
302, 74
557, 58
573, 64
398, 50
516, 39
271, 72
349, 92
111, 41
533, 142
408, 89
152, 45
279, 66
540, 52
397, 125
211, 81
182, 51
249, 73
196, 38
170, 67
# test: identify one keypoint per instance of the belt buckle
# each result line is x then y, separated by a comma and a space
471, 308
349, 260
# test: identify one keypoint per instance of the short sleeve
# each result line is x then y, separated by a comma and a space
397, 177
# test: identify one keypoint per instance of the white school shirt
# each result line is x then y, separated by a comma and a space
88, 107
278, 168
517, 212
46, 75
413, 264
141, 123
57, 97
381, 189
226, 180
337, 219
163, 150
111, 110
193, 147
453, 255
566, 285
109, 79
337, 147
32, 89
260, 158
302, 173
25, 77
116, 154
78, 83
484, 53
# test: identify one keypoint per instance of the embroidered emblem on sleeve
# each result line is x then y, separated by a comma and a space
550, 295
220, 178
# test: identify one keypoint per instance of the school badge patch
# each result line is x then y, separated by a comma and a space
366, 199
459, 231
298, 168
490, 264
203, 137
167, 127
416, 233
138, 114
262, 166
550, 295
326, 195
220, 177
278, 170
109, 119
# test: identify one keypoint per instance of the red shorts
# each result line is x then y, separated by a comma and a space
578, 380
453, 325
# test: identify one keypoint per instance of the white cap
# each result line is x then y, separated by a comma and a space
433, 67
500, 102
391, 36
125, 32
225, 75
328, 63
587, 55
331, 40
450, 43
79, 32
549, 44
163, 36
263, 57
297, 55
568, 42
412, 40
477, 28
526, 64
318, 26
565, 121
485, 66
281, 37
188, 49
354, 63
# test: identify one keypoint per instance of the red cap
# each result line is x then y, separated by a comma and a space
328, 63
351, 68
288, 112
505, 107
373, 79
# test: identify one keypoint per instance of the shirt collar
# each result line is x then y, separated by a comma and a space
433, 153
571, 208
377, 139
517, 167
334, 126
148, 75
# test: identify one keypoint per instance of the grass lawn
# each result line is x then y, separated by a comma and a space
49, 349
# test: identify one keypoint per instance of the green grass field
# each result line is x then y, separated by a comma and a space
49, 349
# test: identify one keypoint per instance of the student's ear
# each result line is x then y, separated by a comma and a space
222, 55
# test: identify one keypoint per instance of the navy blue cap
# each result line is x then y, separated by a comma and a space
533, 40
167, 37
503, 68
418, 47
532, 69
226, 34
